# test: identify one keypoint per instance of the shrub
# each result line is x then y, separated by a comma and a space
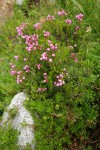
54, 67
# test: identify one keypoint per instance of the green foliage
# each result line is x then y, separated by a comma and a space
64, 116
13, 112
7, 49
65, 113
8, 138
91, 10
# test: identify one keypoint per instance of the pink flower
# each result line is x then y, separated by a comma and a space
13, 66
46, 33
59, 80
53, 47
26, 67
18, 76
25, 59
20, 28
50, 60
37, 26
45, 74
23, 77
77, 28
61, 13
20, 80
49, 42
72, 54
13, 72
50, 17
24, 36
17, 81
45, 77
61, 75
48, 49
74, 57
19, 72
27, 70
16, 57
38, 66
41, 89
68, 21
76, 60
53, 55
79, 17
44, 56
57, 77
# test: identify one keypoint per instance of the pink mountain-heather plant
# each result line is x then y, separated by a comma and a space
42, 52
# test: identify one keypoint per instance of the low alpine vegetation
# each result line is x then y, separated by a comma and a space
54, 67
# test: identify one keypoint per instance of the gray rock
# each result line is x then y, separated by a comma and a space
19, 2
22, 121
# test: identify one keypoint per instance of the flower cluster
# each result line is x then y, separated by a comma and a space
38, 66
26, 68
12, 70
16, 57
41, 89
61, 13
19, 74
45, 57
20, 28
52, 46
80, 17
12, 65
46, 33
68, 21
32, 42
25, 59
20, 77
50, 17
45, 78
77, 28
37, 26
59, 80
47, 53
74, 57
